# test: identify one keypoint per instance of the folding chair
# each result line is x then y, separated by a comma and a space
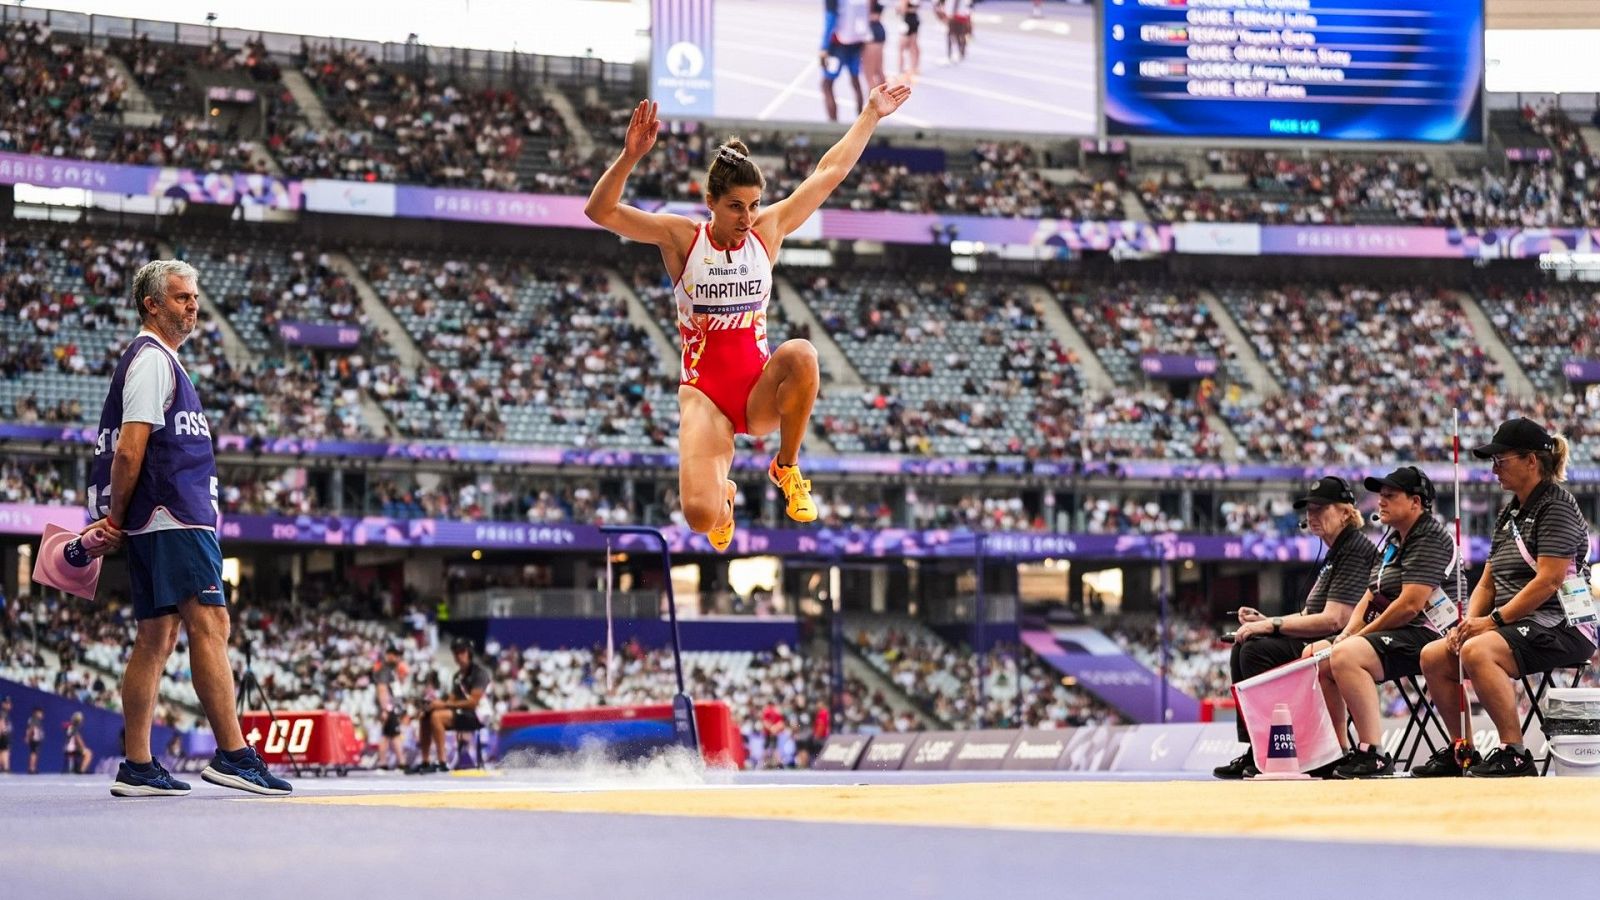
476, 740
1547, 680
1422, 714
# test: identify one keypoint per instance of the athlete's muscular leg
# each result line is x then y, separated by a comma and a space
705, 454
783, 397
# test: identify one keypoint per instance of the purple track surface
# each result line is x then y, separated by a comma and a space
64, 836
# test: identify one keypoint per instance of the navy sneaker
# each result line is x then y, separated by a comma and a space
157, 782
248, 774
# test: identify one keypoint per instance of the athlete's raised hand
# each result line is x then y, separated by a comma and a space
642, 129
886, 98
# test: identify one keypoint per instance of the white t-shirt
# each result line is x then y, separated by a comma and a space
148, 388
147, 393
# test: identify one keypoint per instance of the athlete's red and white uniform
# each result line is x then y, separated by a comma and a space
722, 298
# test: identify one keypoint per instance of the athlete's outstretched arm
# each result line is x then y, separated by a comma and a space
605, 207
792, 211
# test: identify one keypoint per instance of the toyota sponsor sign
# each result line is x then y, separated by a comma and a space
887, 752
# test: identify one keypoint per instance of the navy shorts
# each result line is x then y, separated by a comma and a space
842, 57
1540, 648
1400, 650
165, 567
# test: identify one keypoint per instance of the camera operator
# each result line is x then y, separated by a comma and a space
391, 711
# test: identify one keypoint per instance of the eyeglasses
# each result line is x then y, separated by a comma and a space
1499, 462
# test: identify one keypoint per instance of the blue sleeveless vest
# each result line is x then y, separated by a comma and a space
180, 471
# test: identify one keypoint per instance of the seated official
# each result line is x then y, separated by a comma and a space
1261, 644
458, 712
1384, 638
1515, 624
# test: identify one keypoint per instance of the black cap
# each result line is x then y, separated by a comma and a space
1517, 435
1331, 489
460, 645
392, 649
1409, 479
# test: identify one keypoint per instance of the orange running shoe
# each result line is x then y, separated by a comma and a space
721, 536
796, 489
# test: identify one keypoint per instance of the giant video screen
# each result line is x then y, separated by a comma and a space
1302, 70
995, 66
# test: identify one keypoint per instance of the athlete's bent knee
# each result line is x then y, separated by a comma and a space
703, 516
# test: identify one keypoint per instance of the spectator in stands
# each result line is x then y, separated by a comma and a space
457, 713
1516, 623
1384, 638
1261, 643
773, 725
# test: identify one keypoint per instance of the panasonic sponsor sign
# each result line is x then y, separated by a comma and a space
1038, 749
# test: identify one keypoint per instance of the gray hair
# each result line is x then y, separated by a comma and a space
151, 280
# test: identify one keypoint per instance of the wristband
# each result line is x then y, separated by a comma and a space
1498, 619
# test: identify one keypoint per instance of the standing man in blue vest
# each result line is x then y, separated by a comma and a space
154, 489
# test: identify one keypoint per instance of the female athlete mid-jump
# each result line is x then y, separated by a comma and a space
731, 384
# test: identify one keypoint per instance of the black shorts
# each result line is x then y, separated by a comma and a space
1400, 650
465, 720
1540, 648
391, 723
879, 34
913, 23
5, 742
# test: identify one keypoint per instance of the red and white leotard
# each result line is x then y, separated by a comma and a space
722, 298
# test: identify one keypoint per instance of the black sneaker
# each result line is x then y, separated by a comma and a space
1442, 764
1326, 772
1241, 768
1503, 763
1365, 764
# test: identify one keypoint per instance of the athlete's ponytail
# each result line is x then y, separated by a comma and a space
731, 167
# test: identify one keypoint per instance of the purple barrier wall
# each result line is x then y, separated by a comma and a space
102, 729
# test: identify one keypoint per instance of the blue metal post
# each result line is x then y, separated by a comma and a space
682, 706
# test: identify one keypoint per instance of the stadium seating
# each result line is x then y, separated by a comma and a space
528, 352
